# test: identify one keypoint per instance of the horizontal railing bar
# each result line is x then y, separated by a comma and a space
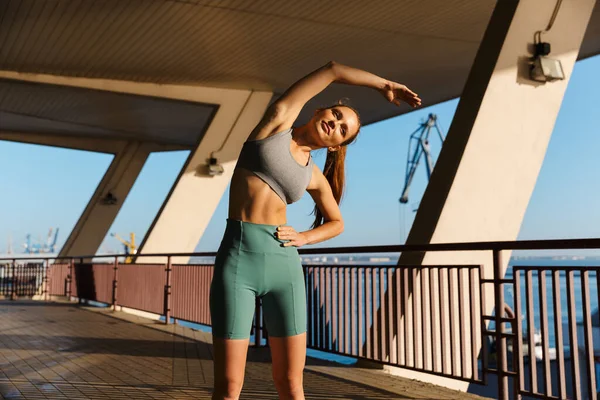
366, 266
394, 266
437, 266
473, 246
538, 395
505, 245
505, 281
504, 334
316, 266
555, 267
320, 266
502, 319
495, 371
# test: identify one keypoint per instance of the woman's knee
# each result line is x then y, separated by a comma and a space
227, 389
287, 384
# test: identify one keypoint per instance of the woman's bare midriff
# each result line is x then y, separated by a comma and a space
252, 200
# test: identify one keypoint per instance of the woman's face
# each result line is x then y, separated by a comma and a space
333, 126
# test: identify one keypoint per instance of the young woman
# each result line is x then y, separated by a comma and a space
257, 255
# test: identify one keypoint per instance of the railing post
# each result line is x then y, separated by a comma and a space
81, 264
13, 288
519, 381
68, 289
115, 279
168, 293
500, 341
45, 264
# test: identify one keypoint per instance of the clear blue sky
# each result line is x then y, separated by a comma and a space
45, 187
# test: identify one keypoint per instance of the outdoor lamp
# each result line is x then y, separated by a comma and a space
214, 168
545, 69
109, 199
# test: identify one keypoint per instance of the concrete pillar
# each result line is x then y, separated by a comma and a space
195, 196
487, 170
98, 216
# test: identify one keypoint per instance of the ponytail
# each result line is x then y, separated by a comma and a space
335, 173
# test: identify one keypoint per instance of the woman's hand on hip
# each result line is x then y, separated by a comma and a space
396, 92
288, 233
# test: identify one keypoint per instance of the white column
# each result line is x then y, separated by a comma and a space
97, 218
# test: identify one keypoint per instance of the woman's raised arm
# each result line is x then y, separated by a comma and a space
289, 105
284, 111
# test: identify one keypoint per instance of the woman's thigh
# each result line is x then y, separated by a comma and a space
232, 295
289, 356
284, 300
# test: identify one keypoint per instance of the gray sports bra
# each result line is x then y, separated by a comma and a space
271, 160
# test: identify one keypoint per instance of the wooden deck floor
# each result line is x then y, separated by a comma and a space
62, 351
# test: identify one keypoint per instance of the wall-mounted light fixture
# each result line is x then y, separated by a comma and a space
543, 68
109, 199
214, 168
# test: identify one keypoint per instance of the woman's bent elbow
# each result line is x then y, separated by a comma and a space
332, 66
341, 227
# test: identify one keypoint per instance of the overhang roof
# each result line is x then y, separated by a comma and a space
262, 45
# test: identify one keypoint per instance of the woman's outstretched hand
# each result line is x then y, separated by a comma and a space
396, 92
288, 233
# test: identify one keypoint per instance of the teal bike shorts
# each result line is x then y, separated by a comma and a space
251, 262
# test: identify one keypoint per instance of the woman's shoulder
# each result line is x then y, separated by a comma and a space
275, 120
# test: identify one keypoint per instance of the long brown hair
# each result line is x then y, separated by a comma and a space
334, 169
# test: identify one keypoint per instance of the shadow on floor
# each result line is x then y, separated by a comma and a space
127, 347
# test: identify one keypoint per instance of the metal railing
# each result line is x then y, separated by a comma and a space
398, 315
557, 372
27, 279
436, 319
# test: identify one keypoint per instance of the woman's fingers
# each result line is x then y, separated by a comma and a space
411, 92
402, 93
407, 90
412, 100
293, 238
286, 232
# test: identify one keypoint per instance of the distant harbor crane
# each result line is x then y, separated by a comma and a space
128, 246
418, 146
39, 248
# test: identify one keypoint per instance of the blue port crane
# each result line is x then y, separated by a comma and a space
38, 248
418, 147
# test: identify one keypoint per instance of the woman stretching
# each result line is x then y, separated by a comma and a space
257, 255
